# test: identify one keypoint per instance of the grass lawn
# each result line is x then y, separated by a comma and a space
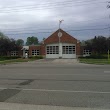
16, 61
95, 61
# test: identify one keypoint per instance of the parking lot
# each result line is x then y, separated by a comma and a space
56, 83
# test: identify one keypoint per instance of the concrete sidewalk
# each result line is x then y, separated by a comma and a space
65, 61
15, 106
57, 61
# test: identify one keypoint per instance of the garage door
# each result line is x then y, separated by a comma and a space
52, 51
66, 50
69, 51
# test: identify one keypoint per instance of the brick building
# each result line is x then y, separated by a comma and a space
58, 45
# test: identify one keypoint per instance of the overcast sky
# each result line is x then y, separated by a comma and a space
83, 19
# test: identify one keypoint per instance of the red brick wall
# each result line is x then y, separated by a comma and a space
34, 48
43, 49
66, 38
20, 52
78, 49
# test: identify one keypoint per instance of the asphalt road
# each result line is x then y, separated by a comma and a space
56, 84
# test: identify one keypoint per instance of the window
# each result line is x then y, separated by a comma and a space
52, 50
35, 52
68, 50
86, 52
14, 53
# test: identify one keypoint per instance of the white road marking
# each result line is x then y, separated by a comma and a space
65, 91
72, 74
106, 71
1, 88
60, 74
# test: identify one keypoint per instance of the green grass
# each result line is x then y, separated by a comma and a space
95, 61
16, 61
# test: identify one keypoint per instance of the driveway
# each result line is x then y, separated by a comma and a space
57, 61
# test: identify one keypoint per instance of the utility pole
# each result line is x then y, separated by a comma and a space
108, 6
59, 36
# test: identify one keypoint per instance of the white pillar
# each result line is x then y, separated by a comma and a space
60, 50
23, 53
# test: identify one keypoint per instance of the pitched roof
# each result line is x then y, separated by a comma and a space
25, 48
66, 38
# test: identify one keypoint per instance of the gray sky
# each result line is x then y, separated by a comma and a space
83, 19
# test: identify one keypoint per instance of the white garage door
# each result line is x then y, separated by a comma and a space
66, 50
69, 51
52, 51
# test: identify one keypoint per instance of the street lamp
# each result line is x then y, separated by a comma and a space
108, 6
108, 49
59, 35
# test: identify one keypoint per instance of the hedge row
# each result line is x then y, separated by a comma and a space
36, 57
96, 57
8, 57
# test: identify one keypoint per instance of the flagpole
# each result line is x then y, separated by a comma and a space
60, 21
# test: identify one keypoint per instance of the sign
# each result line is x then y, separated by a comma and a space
59, 34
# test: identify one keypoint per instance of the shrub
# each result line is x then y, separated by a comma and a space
96, 56
37, 57
8, 57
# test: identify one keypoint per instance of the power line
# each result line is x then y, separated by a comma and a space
55, 26
52, 28
28, 29
52, 3
91, 20
43, 29
29, 33
89, 29
46, 7
89, 26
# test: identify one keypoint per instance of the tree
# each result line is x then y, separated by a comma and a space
6, 45
88, 44
20, 42
108, 43
2, 35
98, 44
32, 41
12, 45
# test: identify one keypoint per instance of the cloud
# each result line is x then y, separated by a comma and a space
43, 16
